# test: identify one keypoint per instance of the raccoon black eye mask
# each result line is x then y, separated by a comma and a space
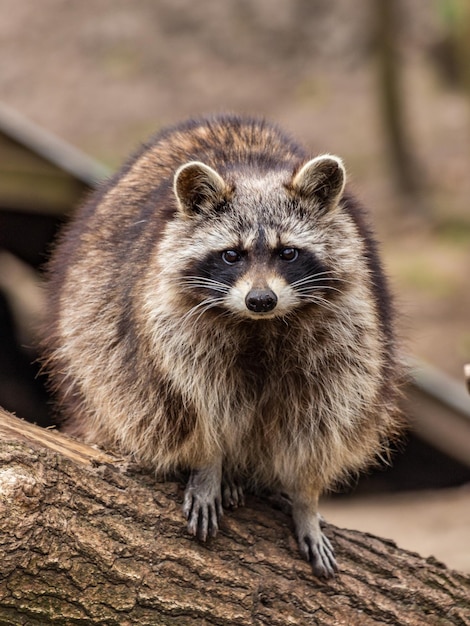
219, 307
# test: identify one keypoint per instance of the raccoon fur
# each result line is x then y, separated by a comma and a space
219, 306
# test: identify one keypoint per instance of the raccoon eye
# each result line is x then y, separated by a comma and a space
231, 256
289, 254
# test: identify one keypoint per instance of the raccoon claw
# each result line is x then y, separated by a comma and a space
202, 504
320, 554
203, 517
314, 546
232, 494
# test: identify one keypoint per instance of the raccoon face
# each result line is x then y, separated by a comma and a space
259, 260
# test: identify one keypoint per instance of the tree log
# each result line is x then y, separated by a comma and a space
87, 540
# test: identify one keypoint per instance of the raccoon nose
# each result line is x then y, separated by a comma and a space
261, 300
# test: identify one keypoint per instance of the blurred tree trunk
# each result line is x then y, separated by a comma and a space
456, 14
85, 543
388, 14
464, 46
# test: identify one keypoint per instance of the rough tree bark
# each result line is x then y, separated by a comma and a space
86, 542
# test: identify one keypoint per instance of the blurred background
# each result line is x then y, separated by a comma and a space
385, 85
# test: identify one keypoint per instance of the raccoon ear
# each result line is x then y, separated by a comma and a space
198, 188
323, 178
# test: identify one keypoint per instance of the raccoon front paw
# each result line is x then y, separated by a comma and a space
313, 545
202, 504
232, 493
319, 552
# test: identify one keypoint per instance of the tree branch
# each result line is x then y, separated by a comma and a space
83, 542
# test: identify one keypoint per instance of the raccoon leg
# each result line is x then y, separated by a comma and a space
313, 545
232, 492
202, 504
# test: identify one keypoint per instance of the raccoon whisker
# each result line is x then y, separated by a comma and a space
201, 308
205, 283
308, 289
324, 301
318, 278
199, 279
316, 287
213, 305
204, 305
315, 279
202, 279
218, 288
314, 299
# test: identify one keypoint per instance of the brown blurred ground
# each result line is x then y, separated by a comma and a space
103, 74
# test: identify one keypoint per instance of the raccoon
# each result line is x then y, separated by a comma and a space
219, 307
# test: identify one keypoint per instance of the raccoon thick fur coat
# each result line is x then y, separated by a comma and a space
219, 307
